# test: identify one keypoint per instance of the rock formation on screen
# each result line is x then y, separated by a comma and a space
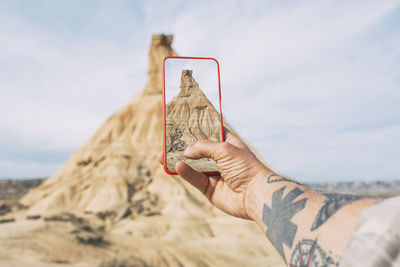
190, 116
113, 201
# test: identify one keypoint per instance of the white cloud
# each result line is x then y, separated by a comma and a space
302, 73
312, 85
61, 85
56, 92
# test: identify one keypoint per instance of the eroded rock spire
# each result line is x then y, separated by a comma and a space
159, 49
190, 117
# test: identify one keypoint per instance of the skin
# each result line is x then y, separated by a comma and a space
307, 227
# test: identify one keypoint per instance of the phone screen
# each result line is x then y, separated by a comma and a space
192, 109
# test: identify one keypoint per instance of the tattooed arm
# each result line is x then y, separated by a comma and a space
308, 228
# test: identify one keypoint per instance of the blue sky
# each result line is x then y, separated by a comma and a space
312, 85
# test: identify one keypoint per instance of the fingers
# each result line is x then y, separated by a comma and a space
209, 149
230, 137
234, 139
197, 179
205, 149
226, 132
213, 181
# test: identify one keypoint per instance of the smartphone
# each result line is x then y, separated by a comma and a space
191, 109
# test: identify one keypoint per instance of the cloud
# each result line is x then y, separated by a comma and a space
312, 85
308, 71
56, 92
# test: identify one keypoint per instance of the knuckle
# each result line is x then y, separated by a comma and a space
226, 146
196, 143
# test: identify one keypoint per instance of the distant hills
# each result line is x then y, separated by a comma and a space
377, 188
12, 190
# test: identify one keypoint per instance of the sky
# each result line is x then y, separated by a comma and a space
204, 72
312, 85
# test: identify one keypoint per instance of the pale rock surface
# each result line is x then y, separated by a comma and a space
112, 203
190, 116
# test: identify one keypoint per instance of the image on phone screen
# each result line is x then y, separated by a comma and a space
192, 109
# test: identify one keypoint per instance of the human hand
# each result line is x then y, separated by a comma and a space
237, 166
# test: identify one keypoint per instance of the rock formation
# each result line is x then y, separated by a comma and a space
102, 173
120, 197
190, 116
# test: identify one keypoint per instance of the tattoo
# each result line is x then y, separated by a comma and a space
270, 180
332, 204
308, 253
277, 218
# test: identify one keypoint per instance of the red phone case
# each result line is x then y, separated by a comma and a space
164, 114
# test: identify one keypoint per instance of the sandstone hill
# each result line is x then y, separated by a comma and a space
190, 116
111, 204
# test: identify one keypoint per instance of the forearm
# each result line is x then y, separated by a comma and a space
296, 218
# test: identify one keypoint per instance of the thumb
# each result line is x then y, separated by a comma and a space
208, 149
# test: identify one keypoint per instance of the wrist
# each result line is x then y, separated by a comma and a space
254, 194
